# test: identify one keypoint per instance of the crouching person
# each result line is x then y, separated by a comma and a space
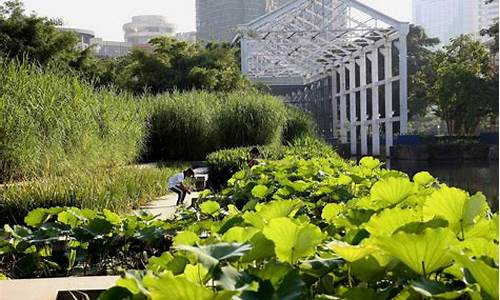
176, 185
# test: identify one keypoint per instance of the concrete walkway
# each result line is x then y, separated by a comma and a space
165, 206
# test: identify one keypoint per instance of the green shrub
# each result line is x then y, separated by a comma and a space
223, 164
118, 189
298, 124
181, 126
188, 126
50, 121
250, 118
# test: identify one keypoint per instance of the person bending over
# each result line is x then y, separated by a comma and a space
254, 156
176, 185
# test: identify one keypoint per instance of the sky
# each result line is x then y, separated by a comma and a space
106, 17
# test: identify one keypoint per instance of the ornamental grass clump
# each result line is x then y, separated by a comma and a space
51, 121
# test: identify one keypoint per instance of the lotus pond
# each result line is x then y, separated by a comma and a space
316, 228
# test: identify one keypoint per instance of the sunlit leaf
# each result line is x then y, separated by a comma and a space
351, 253
260, 191
486, 276
423, 253
186, 238
292, 241
391, 191
389, 220
211, 255
423, 178
369, 162
210, 207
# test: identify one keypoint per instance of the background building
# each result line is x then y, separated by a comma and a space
85, 35
143, 28
189, 36
218, 19
110, 48
446, 19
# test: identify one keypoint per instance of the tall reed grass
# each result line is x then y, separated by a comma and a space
50, 122
119, 189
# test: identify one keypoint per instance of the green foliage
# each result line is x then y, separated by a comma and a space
118, 189
249, 118
464, 89
34, 38
179, 65
188, 126
72, 241
41, 133
299, 124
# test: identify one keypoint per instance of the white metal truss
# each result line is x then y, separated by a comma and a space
313, 39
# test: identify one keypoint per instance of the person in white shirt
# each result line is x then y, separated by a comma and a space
176, 185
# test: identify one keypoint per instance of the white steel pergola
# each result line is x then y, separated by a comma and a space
347, 40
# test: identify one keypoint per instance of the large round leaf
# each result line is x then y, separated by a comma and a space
424, 253
292, 241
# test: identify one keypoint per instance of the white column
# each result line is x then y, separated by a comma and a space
335, 112
364, 124
343, 105
375, 109
244, 56
352, 105
403, 78
389, 132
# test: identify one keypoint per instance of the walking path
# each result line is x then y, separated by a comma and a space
165, 206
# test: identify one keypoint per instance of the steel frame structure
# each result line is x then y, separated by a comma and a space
346, 40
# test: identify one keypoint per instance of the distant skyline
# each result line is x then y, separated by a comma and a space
106, 17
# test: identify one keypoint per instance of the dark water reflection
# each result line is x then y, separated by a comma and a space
472, 176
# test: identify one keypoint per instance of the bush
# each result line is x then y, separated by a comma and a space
118, 189
250, 118
298, 124
223, 164
181, 126
188, 126
50, 121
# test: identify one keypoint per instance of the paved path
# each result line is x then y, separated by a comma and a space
165, 206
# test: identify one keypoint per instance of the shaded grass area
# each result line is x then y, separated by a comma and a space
117, 189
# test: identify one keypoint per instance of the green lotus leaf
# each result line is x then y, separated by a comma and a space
331, 211
369, 162
423, 178
68, 218
195, 273
292, 241
113, 218
484, 228
351, 253
186, 238
37, 217
158, 264
299, 186
167, 287
485, 276
211, 208
211, 255
260, 191
423, 253
391, 191
262, 248
389, 220
433, 289
477, 247
455, 206
271, 210
318, 266
239, 234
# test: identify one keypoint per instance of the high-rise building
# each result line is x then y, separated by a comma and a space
144, 28
219, 19
446, 19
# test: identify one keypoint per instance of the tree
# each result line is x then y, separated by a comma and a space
33, 38
179, 65
420, 72
465, 90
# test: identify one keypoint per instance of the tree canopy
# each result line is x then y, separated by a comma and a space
34, 38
